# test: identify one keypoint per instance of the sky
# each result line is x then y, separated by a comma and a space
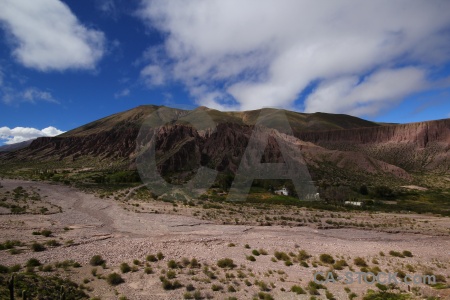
66, 63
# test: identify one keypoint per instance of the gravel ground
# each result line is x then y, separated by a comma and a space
102, 226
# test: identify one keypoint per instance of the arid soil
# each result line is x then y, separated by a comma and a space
90, 226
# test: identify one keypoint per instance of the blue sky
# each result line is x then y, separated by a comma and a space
66, 63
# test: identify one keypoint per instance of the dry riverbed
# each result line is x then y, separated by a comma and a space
84, 225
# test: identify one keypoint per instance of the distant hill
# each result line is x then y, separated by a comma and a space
16, 146
337, 148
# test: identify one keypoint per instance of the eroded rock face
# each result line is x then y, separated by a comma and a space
111, 144
423, 146
181, 149
394, 149
419, 134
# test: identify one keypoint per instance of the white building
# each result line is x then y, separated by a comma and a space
354, 203
283, 192
315, 196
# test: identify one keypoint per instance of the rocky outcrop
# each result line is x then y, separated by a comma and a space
181, 149
416, 147
419, 134
395, 150
111, 144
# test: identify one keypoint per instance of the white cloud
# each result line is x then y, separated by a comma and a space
21, 134
10, 95
153, 75
46, 35
51, 131
107, 6
122, 93
33, 94
266, 52
368, 97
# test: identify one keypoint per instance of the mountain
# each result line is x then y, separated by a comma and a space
337, 148
114, 136
16, 146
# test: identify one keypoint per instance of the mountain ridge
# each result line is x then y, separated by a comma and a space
344, 144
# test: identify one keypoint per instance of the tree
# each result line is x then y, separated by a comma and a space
337, 195
384, 192
363, 190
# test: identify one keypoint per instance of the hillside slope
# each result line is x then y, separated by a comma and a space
336, 148
114, 136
